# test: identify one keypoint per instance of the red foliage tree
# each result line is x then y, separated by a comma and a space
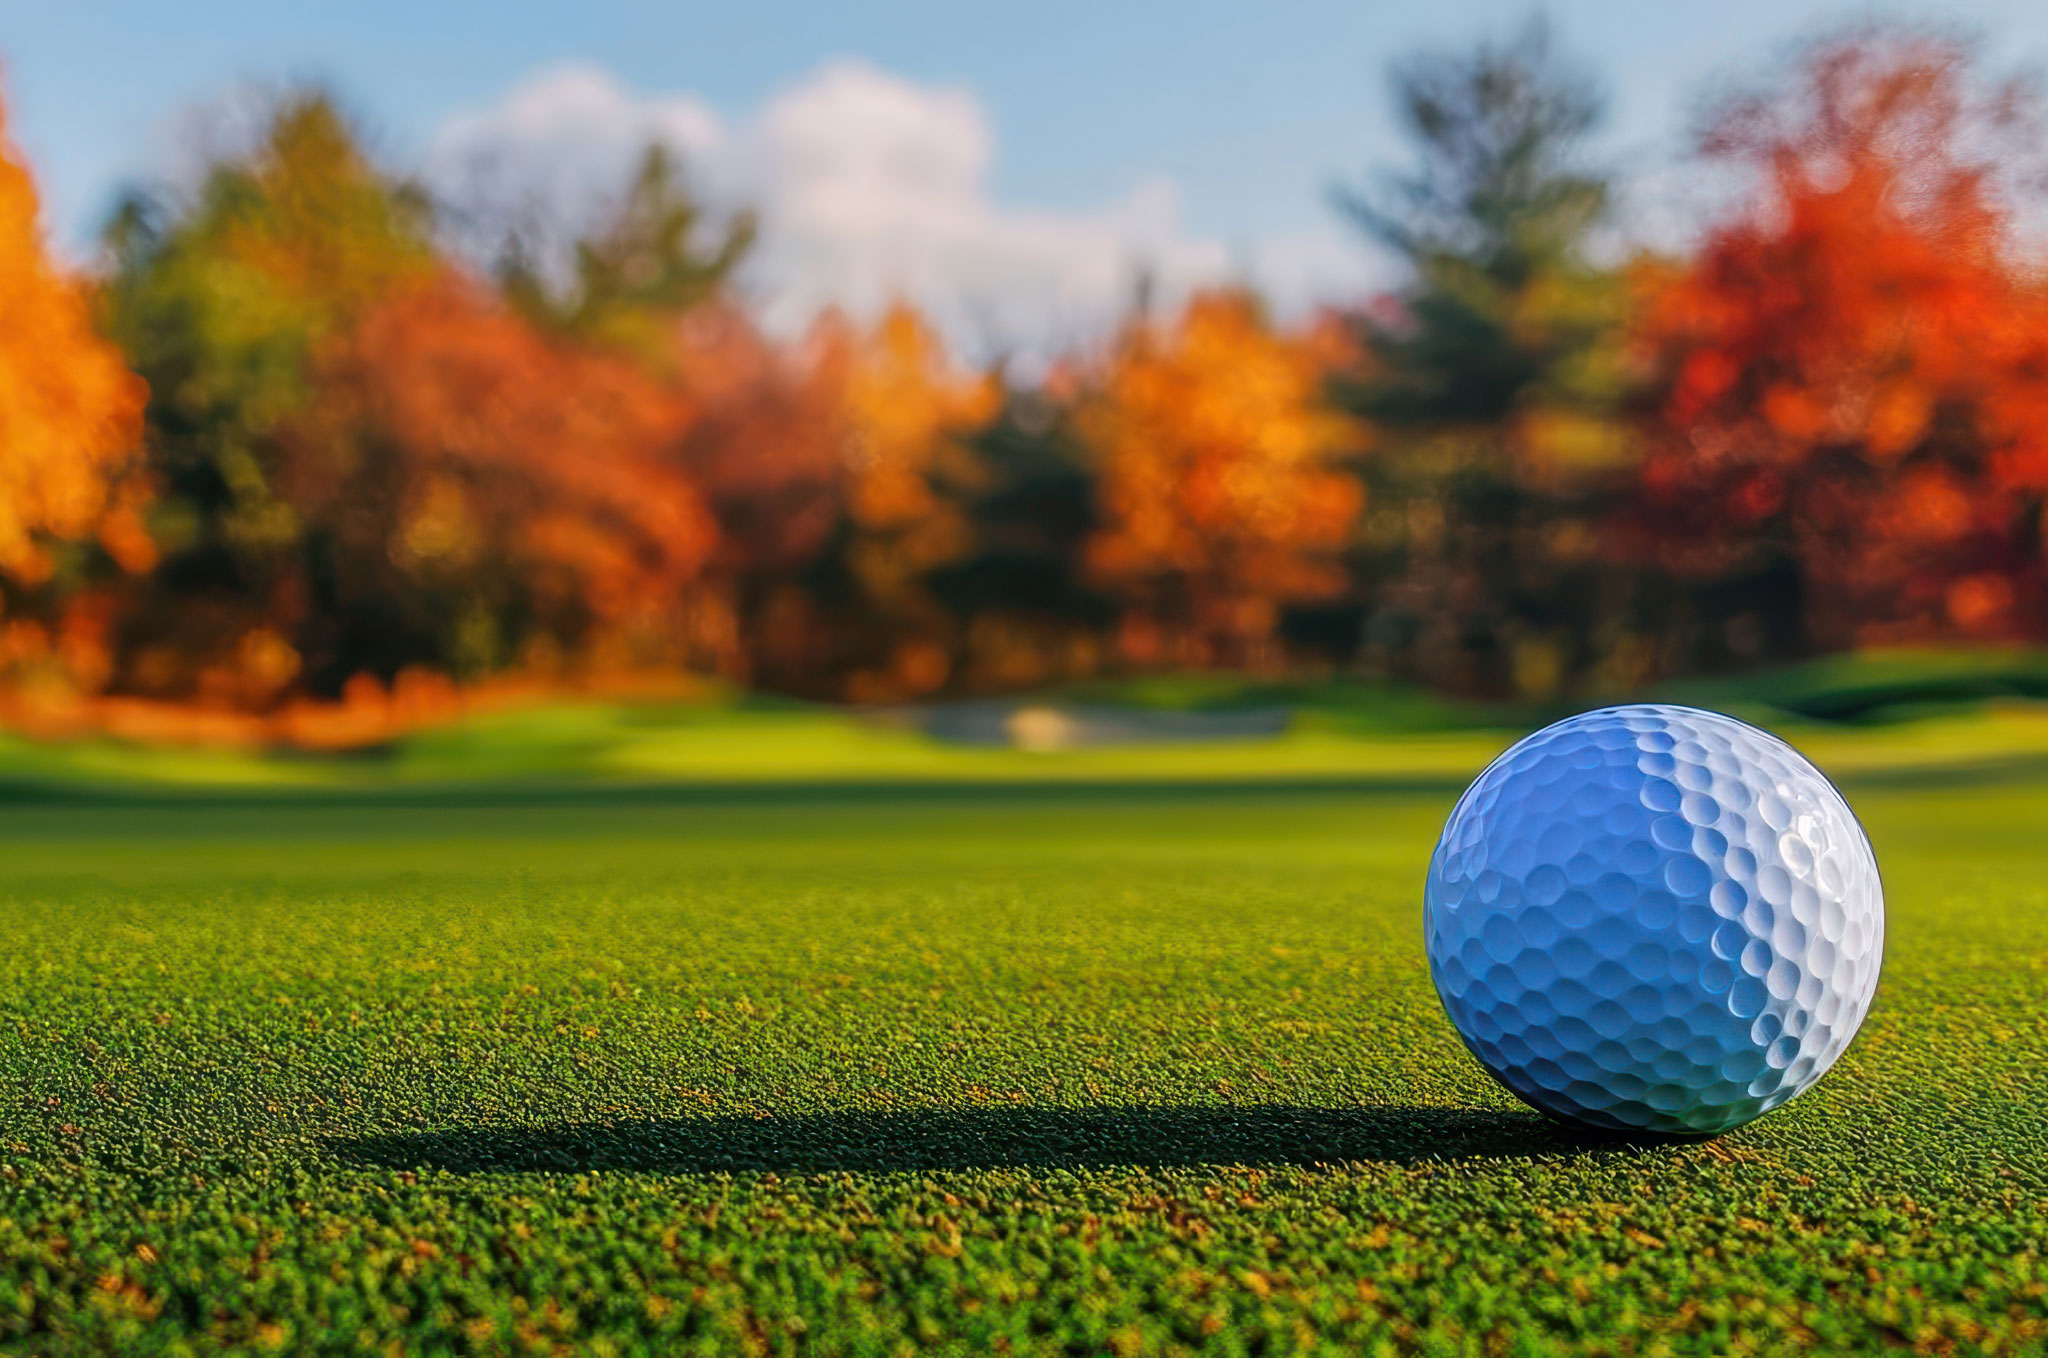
765, 448
518, 492
1854, 367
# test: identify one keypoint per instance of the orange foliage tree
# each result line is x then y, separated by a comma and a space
70, 433
906, 406
840, 472
1854, 368
832, 467
1220, 493
487, 494
70, 411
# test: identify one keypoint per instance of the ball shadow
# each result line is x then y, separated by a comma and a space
967, 1139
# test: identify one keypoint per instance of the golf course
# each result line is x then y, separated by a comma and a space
1070, 681
777, 1031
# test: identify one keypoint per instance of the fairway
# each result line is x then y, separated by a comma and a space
872, 1070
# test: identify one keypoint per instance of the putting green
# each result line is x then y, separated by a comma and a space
895, 1067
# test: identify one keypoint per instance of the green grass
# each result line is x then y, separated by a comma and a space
1864, 687
1970, 715
886, 1067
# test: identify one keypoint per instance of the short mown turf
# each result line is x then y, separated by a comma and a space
1055, 1070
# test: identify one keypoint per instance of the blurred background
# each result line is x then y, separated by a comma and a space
363, 372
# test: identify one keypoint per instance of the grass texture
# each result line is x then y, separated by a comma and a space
992, 1068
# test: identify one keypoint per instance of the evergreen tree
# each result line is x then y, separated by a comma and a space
1493, 381
1031, 615
639, 269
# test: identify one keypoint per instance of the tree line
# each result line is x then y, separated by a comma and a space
286, 445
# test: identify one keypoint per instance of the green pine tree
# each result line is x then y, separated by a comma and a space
639, 269
1493, 381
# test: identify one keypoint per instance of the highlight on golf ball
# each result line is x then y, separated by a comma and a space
1654, 918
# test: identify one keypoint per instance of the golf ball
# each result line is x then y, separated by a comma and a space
1654, 918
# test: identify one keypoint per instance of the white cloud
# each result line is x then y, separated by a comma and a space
557, 148
870, 188
873, 187
1297, 270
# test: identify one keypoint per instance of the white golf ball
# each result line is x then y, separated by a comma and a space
1654, 918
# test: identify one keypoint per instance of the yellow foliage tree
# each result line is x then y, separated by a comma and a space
906, 406
1219, 494
70, 411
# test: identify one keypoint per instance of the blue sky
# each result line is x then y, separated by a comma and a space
1217, 125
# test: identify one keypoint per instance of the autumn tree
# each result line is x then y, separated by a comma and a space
1854, 367
765, 447
1222, 501
221, 300
371, 463
1493, 379
480, 494
908, 412
70, 427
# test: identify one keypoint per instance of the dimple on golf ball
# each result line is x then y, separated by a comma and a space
1653, 918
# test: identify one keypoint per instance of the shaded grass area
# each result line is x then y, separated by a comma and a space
1087, 1073
905, 1141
